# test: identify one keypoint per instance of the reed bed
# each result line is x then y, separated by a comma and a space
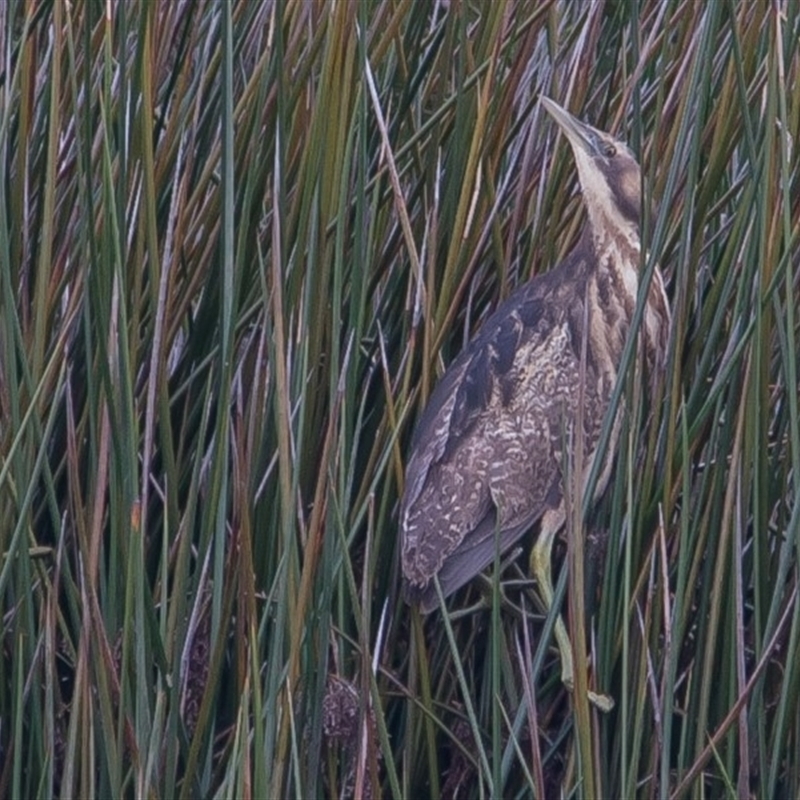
238, 244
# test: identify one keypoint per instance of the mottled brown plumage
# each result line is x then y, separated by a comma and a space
487, 452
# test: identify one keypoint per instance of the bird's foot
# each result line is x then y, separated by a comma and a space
602, 702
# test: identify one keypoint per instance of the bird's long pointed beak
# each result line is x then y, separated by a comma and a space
579, 134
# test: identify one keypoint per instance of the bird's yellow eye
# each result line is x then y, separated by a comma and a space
609, 150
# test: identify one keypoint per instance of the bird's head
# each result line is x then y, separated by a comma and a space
609, 174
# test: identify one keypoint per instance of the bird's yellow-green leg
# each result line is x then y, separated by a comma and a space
542, 571
541, 567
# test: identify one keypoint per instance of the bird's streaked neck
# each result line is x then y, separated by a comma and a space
617, 247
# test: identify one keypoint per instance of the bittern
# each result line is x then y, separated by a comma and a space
488, 455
